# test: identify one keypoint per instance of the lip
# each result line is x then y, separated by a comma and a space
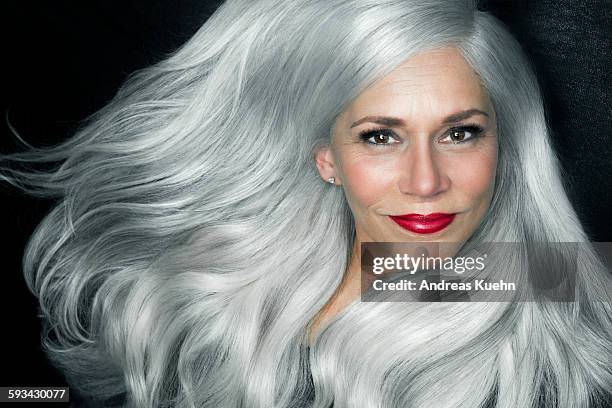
424, 223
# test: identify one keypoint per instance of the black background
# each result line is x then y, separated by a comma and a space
63, 60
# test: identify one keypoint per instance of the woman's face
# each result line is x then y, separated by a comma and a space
416, 153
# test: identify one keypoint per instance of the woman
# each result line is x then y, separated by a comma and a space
204, 251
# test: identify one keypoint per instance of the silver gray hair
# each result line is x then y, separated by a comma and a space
174, 268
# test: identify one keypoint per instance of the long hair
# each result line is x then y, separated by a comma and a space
174, 270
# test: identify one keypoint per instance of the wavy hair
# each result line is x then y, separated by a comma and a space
173, 271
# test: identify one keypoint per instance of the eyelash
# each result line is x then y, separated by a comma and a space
474, 129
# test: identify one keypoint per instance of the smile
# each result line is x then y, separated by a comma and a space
424, 224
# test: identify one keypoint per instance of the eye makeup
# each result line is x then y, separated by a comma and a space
378, 135
476, 131
383, 136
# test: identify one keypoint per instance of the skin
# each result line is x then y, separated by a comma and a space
428, 162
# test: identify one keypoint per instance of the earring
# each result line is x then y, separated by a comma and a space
331, 180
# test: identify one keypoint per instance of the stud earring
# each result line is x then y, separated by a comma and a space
331, 180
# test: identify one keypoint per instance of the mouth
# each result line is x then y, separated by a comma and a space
424, 224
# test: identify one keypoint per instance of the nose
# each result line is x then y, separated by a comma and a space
422, 174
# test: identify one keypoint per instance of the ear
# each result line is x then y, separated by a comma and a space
324, 159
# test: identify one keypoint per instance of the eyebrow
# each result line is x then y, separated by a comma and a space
397, 122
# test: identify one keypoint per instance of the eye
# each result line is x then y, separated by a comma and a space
379, 137
462, 134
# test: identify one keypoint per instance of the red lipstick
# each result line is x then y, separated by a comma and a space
424, 224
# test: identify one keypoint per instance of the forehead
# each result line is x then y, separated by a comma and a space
431, 84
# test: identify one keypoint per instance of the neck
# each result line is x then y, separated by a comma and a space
348, 291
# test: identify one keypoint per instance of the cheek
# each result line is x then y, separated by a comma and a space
473, 175
366, 179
